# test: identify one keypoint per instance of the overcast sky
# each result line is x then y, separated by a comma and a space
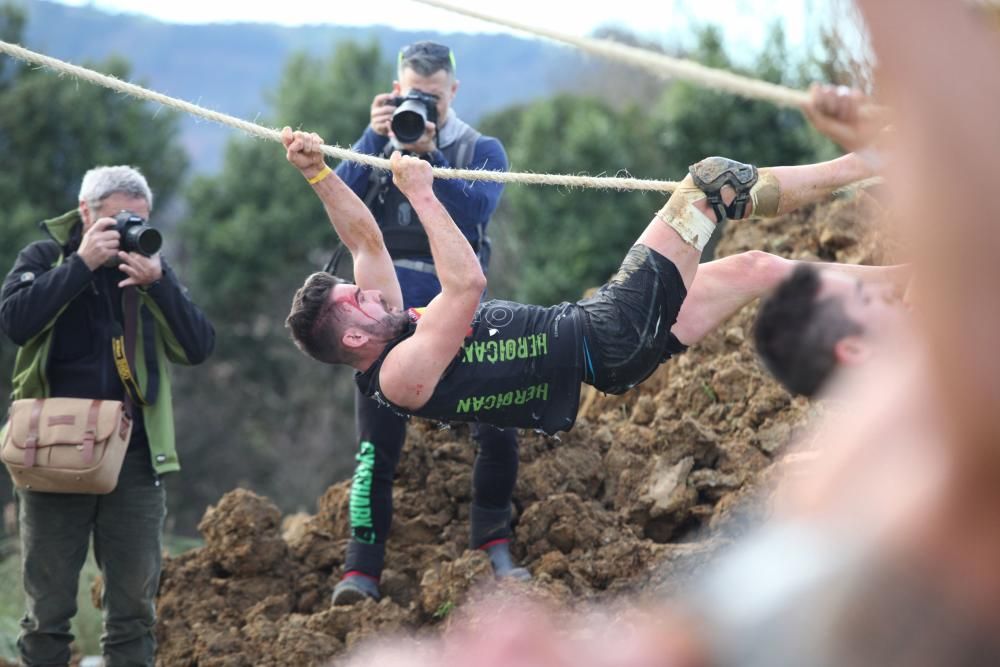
745, 20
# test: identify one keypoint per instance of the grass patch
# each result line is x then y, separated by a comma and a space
12, 600
705, 387
445, 609
175, 545
86, 624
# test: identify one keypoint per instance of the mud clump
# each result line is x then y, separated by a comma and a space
636, 499
242, 534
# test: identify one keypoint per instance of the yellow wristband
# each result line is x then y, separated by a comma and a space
321, 175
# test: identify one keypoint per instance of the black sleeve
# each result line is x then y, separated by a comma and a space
187, 322
34, 291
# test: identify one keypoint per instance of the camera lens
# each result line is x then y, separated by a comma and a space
408, 121
145, 240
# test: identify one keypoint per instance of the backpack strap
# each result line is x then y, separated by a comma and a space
466, 147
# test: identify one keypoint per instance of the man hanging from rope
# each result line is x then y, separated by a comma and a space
425, 69
519, 365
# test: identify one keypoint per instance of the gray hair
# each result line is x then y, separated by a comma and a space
426, 59
101, 182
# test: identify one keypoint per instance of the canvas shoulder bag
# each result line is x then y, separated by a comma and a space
66, 445
76, 445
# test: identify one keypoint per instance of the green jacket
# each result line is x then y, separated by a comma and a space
49, 282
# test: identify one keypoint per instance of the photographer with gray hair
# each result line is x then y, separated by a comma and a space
96, 314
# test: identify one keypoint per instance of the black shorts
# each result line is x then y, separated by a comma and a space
627, 322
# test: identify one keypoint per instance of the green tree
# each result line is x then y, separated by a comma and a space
553, 244
698, 122
265, 415
12, 19
253, 221
54, 129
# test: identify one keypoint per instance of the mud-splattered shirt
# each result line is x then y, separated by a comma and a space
519, 366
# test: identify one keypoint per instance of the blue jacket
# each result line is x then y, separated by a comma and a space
470, 203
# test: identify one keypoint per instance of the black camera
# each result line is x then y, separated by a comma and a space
136, 235
413, 111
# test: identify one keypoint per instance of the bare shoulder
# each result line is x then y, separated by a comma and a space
411, 372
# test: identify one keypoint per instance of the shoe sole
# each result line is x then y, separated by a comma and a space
349, 596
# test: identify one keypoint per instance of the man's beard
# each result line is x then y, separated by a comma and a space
390, 327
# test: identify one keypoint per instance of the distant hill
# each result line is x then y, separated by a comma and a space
229, 67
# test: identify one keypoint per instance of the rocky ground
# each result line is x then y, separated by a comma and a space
635, 499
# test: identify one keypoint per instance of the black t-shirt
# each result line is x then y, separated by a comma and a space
519, 366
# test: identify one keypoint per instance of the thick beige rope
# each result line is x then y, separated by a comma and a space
262, 132
656, 63
333, 151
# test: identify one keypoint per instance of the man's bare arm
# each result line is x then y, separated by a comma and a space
458, 268
349, 216
412, 370
937, 60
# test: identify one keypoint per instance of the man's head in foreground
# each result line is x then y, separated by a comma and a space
818, 321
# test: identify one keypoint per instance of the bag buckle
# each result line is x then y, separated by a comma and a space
31, 443
90, 435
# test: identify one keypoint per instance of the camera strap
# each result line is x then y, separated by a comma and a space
335, 258
378, 180
123, 347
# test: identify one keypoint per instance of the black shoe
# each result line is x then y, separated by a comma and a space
353, 589
503, 564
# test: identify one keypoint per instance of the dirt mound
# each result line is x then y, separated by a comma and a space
635, 499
